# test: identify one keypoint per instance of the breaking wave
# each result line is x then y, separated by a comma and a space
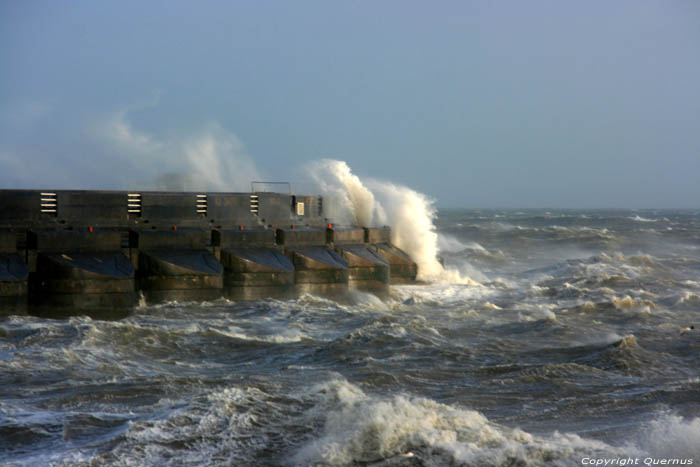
672, 436
410, 214
358, 428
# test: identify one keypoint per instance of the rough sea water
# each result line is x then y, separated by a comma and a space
571, 344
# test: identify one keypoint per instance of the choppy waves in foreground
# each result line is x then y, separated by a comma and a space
577, 340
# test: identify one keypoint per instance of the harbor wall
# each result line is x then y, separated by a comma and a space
68, 251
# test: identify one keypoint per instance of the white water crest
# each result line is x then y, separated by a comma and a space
375, 203
360, 428
670, 435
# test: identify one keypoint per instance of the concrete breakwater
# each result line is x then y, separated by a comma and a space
68, 251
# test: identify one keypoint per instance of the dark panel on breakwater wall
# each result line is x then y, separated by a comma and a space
161, 209
301, 236
102, 209
20, 207
227, 210
346, 235
52, 241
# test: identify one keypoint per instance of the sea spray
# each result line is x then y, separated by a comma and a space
355, 203
217, 161
204, 159
369, 203
410, 215
670, 435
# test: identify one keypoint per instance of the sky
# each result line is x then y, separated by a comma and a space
512, 103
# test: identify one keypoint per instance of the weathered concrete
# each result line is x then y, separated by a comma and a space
367, 269
228, 211
83, 270
374, 235
153, 210
83, 280
253, 273
301, 236
97, 250
254, 267
176, 265
319, 269
13, 276
403, 269
345, 235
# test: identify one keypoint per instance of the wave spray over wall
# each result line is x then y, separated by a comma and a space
374, 203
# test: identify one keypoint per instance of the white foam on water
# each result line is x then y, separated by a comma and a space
637, 218
440, 294
636, 306
538, 312
465, 269
688, 299
281, 336
223, 424
671, 436
366, 300
448, 245
359, 428
63, 458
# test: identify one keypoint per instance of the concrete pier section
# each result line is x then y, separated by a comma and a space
319, 269
368, 270
70, 251
403, 269
254, 266
176, 265
79, 270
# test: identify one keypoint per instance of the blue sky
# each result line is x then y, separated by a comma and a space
477, 104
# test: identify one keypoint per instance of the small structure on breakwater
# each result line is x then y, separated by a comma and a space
71, 251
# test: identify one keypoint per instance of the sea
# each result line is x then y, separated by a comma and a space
574, 341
